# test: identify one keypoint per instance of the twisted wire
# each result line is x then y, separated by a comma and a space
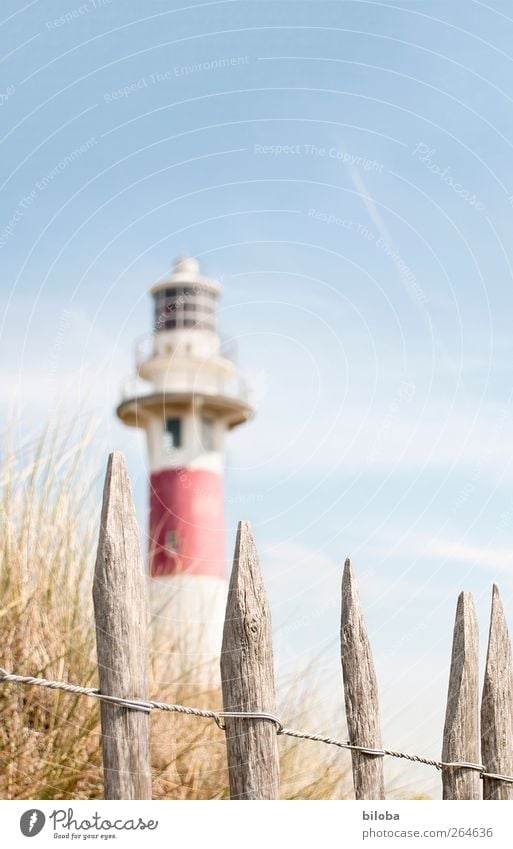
218, 715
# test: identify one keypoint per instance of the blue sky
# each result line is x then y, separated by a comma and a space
345, 169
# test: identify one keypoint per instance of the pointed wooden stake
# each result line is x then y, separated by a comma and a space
461, 730
121, 614
247, 674
497, 706
361, 692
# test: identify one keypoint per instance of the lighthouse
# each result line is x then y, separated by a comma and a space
188, 394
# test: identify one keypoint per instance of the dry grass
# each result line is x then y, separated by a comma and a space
50, 741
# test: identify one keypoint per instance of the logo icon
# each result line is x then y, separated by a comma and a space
31, 822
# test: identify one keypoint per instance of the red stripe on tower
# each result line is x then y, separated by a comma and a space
187, 533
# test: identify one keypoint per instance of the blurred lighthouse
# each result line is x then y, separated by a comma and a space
188, 394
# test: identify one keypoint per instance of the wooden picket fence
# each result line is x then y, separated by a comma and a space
248, 683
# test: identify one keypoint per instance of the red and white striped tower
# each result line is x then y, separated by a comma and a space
195, 397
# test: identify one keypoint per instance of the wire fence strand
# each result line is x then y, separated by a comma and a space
219, 715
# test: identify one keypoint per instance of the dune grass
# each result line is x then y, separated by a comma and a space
50, 741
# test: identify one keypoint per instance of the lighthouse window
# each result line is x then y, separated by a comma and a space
180, 307
207, 434
172, 542
172, 434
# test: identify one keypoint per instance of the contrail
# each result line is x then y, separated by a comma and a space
407, 278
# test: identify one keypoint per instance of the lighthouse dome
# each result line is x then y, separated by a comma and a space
185, 274
187, 265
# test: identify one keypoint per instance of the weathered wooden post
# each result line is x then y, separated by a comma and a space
121, 614
497, 706
361, 693
461, 730
247, 674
